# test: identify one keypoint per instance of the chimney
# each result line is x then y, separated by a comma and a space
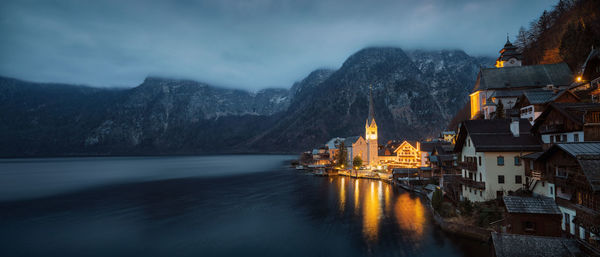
514, 127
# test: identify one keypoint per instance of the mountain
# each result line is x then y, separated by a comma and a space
415, 96
415, 92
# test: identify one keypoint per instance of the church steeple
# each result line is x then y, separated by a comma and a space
371, 117
509, 56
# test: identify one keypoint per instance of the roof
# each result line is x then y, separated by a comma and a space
573, 111
404, 171
532, 156
428, 146
540, 96
509, 51
590, 166
594, 54
524, 76
351, 140
514, 245
334, 142
496, 136
506, 93
532, 205
587, 155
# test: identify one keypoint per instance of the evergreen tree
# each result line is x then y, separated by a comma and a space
500, 110
357, 162
341, 154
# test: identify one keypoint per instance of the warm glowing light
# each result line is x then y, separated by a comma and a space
499, 64
578, 78
371, 214
342, 195
356, 197
410, 214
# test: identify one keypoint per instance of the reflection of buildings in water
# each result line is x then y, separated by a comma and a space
356, 197
410, 214
342, 195
371, 212
388, 205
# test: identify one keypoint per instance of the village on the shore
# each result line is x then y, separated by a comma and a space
523, 172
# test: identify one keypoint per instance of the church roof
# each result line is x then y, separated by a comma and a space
530, 76
509, 51
351, 140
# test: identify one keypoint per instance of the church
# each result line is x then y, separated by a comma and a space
366, 148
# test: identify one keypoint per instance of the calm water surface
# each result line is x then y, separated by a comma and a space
208, 206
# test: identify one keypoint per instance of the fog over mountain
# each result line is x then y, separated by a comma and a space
250, 44
416, 93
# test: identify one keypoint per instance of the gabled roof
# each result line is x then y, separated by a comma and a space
541, 96
495, 136
532, 205
428, 146
351, 140
573, 111
557, 74
411, 143
587, 155
513, 245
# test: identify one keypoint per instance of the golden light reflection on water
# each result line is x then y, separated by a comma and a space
342, 195
371, 212
410, 214
372, 198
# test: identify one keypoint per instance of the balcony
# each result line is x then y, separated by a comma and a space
470, 166
472, 183
555, 128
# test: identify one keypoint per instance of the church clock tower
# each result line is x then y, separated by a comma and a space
371, 134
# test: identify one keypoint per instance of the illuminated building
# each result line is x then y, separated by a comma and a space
371, 134
509, 80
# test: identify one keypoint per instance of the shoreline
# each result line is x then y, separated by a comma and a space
479, 234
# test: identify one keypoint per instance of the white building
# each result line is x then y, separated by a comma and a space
490, 157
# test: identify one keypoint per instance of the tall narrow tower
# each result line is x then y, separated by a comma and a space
371, 134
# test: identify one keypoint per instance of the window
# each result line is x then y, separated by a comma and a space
480, 177
479, 160
500, 179
529, 226
551, 190
500, 160
564, 139
480, 194
518, 179
468, 142
551, 139
517, 161
576, 137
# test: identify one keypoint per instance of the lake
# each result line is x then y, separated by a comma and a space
233, 205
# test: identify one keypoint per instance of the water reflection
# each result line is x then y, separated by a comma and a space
375, 201
410, 214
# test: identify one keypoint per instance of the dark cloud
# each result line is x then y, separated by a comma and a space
249, 44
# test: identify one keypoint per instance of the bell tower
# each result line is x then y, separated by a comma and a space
371, 134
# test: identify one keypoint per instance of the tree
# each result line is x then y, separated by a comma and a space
436, 200
341, 154
522, 41
500, 110
357, 162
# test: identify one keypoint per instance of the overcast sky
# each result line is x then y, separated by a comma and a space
249, 44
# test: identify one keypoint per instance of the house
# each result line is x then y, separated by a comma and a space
588, 79
537, 216
574, 170
513, 245
409, 154
568, 122
508, 80
333, 146
489, 153
448, 136
355, 146
533, 102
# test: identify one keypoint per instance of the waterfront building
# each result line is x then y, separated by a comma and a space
371, 135
355, 146
489, 153
333, 146
539, 216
